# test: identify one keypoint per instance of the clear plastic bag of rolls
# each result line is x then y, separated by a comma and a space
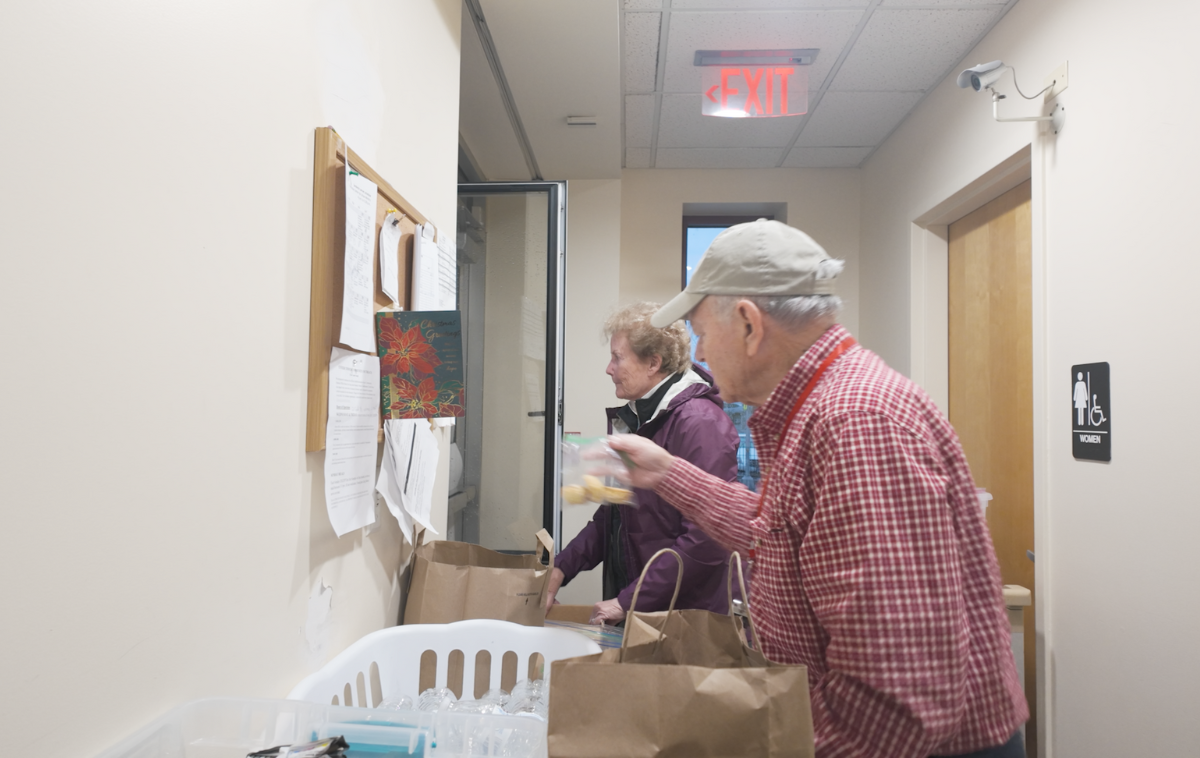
590, 469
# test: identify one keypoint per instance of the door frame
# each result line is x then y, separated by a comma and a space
929, 359
556, 285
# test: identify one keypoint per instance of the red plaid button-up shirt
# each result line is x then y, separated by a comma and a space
874, 566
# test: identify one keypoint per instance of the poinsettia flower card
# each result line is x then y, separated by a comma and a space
420, 363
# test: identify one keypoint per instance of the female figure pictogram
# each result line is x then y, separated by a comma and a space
1081, 398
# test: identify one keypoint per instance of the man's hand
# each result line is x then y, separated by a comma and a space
607, 612
556, 580
650, 463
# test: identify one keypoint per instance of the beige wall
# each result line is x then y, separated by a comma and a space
164, 528
822, 202
1114, 280
593, 281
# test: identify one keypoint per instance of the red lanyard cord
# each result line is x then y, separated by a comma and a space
837, 352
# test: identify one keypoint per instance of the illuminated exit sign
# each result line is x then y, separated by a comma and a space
755, 91
755, 83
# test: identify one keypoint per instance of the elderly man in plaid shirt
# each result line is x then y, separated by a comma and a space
872, 563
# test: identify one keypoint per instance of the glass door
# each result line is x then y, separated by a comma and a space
511, 247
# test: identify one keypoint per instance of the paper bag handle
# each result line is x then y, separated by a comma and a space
638, 588
544, 541
736, 558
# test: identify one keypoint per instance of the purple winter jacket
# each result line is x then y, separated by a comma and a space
693, 427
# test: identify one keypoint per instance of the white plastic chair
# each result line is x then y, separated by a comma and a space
469, 657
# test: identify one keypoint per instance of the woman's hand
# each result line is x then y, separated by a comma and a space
648, 463
607, 612
552, 586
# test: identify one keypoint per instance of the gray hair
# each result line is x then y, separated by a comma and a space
793, 312
671, 343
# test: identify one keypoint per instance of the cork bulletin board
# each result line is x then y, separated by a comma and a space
329, 260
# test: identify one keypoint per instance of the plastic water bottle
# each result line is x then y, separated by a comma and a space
401, 703
530, 698
435, 699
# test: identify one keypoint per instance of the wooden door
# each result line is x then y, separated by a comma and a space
991, 384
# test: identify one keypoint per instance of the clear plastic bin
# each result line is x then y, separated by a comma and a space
233, 727
469, 657
386, 663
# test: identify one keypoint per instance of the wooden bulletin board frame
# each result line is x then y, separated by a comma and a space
329, 262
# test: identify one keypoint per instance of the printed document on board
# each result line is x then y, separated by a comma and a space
389, 257
351, 439
435, 271
410, 461
358, 289
386, 484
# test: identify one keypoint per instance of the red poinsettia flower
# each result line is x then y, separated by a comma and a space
414, 400
450, 409
389, 331
406, 351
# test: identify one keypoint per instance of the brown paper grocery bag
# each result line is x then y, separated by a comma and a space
453, 581
678, 631
576, 614
697, 690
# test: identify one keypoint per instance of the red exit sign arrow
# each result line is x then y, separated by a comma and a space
755, 92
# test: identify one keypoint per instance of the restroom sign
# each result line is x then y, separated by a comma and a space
1091, 414
754, 91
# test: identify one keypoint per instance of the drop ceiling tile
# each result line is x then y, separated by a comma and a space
642, 5
856, 119
681, 125
828, 31
910, 49
826, 157
760, 4
717, 157
637, 157
639, 120
641, 51
585, 80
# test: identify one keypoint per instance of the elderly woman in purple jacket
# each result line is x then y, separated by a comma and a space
674, 403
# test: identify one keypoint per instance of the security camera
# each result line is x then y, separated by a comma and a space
982, 76
985, 75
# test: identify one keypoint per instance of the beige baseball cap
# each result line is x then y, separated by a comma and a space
759, 258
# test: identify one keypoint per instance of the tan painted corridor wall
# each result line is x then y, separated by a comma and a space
822, 202
593, 274
1114, 276
164, 528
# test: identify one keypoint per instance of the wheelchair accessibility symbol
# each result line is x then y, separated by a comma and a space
1091, 435
1093, 416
